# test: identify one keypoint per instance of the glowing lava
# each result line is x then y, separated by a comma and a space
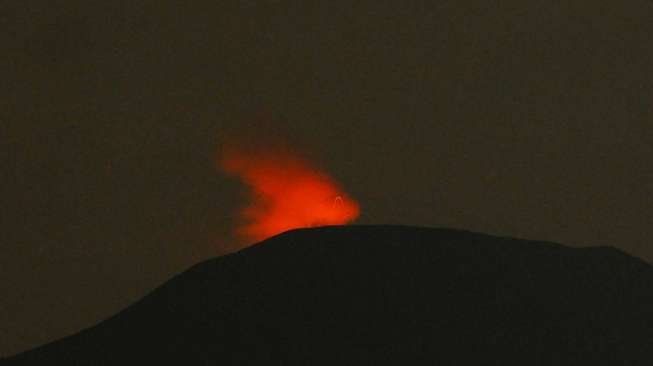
287, 192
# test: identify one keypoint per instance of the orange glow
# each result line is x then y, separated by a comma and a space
287, 192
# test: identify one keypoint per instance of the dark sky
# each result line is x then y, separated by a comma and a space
525, 119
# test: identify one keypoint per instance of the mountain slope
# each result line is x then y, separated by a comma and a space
383, 295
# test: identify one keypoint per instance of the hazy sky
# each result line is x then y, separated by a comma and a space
525, 119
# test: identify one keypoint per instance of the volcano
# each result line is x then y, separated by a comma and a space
370, 295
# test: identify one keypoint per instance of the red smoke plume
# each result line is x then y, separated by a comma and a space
287, 192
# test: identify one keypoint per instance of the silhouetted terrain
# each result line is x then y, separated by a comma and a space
368, 295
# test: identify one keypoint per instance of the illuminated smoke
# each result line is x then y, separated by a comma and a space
286, 192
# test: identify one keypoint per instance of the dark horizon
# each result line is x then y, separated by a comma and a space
383, 294
521, 120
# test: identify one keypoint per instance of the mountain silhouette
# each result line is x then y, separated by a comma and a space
370, 295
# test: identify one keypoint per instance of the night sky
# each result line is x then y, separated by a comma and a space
526, 120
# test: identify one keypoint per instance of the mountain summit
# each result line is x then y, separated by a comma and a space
370, 295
